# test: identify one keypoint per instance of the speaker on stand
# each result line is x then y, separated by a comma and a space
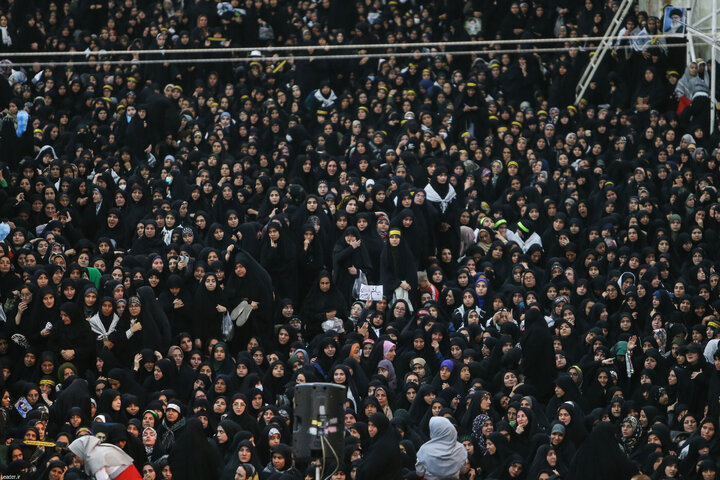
319, 423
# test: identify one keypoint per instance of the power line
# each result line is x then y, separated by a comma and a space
225, 59
367, 46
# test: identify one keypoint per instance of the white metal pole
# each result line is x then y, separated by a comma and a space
713, 46
691, 43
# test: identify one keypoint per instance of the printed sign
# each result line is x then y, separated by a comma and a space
371, 292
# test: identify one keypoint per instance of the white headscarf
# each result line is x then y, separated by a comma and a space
434, 196
5, 34
442, 456
103, 461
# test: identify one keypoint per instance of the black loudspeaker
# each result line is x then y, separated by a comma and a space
319, 413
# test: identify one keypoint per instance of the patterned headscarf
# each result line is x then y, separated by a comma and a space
628, 444
477, 434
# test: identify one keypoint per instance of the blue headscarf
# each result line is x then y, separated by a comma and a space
481, 300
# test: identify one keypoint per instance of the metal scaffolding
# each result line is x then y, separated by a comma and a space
694, 28
605, 44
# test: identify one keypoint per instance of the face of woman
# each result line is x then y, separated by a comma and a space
221, 435
149, 437
339, 376
564, 417
220, 386
490, 447
625, 324
240, 270
49, 300
106, 308
689, 424
238, 406
195, 360
522, 419
410, 394
515, 470
707, 431
148, 420
245, 454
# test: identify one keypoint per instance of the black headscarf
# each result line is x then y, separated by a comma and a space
193, 457
588, 464
383, 460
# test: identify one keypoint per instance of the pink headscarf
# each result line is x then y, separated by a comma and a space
387, 346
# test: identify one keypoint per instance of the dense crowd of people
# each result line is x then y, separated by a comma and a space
510, 284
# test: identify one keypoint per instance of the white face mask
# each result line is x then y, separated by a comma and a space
122, 187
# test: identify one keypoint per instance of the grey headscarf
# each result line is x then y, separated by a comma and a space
442, 456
